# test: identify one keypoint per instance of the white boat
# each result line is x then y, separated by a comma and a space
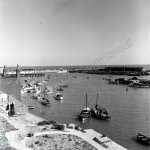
58, 96
61, 70
48, 90
43, 82
23, 91
39, 83
37, 90
85, 113
36, 96
132, 83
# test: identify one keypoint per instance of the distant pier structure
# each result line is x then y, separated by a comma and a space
115, 70
9, 73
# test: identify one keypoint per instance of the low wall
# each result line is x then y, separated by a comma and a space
20, 108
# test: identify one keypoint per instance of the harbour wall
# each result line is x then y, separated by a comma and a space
11, 87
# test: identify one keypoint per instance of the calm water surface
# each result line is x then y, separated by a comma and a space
129, 110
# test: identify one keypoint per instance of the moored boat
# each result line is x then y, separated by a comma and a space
85, 113
45, 101
48, 90
60, 89
100, 112
63, 86
31, 107
143, 139
58, 96
141, 85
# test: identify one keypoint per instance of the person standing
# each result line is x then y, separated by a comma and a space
12, 109
7, 107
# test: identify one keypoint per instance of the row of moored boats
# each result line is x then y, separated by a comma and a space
96, 111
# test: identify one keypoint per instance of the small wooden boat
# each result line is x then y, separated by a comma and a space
60, 89
58, 96
85, 113
100, 112
64, 86
31, 107
45, 101
143, 139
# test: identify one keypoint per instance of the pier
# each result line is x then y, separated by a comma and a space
112, 70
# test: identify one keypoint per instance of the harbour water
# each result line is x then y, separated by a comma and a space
129, 110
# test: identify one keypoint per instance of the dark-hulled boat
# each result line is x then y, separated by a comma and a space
100, 112
31, 107
143, 139
45, 101
85, 113
63, 86
60, 89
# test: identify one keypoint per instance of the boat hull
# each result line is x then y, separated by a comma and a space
45, 102
31, 107
100, 113
143, 139
101, 117
59, 98
85, 114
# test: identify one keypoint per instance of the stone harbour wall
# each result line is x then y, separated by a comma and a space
11, 86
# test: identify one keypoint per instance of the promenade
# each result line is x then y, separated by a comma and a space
5, 126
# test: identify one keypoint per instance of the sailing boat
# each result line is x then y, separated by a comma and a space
100, 112
85, 113
45, 101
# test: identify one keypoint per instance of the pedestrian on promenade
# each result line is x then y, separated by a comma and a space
12, 109
7, 107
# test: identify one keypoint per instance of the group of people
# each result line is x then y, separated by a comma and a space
10, 108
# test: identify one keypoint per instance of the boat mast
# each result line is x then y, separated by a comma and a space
97, 99
86, 101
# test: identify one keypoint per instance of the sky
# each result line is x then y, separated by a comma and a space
73, 32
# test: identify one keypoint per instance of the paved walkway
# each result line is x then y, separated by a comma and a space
5, 126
